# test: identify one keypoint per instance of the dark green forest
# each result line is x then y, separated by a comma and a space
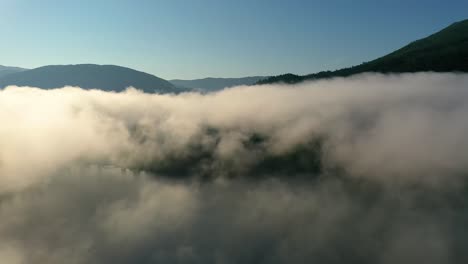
444, 51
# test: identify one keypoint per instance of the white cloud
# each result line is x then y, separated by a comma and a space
98, 177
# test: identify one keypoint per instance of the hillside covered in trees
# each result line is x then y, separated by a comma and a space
444, 51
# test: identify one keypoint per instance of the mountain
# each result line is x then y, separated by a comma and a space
5, 70
214, 84
104, 77
444, 51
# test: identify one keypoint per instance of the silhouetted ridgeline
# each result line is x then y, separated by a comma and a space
214, 84
89, 76
5, 70
444, 51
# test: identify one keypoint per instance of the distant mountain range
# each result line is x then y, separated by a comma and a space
444, 51
5, 70
88, 76
110, 78
215, 84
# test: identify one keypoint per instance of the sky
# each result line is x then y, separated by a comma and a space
187, 39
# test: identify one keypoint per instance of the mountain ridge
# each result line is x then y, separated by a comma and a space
88, 76
210, 84
442, 51
6, 70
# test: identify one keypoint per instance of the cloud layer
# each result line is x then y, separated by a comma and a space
366, 169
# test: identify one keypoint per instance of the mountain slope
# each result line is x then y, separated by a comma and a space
214, 84
444, 51
104, 77
5, 70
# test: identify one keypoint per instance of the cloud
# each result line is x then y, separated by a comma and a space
370, 168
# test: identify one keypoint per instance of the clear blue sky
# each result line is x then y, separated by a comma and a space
219, 38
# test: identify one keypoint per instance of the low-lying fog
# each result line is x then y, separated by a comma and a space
366, 169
